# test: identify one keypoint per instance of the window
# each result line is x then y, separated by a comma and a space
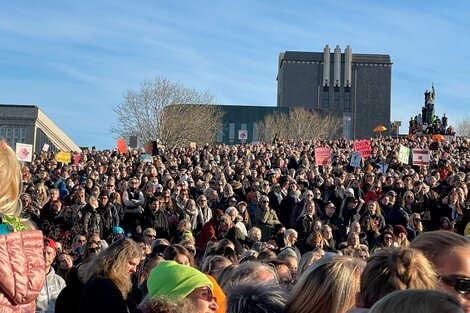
231, 132
326, 98
336, 101
347, 101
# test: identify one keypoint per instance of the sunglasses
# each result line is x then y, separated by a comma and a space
417, 220
460, 284
207, 294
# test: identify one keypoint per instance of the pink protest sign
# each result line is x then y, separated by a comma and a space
363, 146
323, 156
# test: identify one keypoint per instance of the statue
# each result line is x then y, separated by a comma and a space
428, 110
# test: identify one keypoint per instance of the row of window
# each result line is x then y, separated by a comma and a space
13, 135
336, 99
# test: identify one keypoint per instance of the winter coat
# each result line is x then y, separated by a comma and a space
21, 271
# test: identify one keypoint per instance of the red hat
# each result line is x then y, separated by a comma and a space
49, 242
398, 229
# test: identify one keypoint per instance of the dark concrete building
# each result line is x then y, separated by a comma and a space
356, 86
239, 120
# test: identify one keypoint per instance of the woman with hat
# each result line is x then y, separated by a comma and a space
172, 285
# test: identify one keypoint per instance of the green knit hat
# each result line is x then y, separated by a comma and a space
175, 281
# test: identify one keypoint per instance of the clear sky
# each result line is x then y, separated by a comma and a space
75, 59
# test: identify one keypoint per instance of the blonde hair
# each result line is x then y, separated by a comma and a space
335, 281
395, 269
112, 263
10, 181
439, 243
417, 301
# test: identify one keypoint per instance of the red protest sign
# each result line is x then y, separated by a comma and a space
121, 145
322, 156
363, 146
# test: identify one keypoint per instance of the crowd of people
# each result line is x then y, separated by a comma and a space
246, 228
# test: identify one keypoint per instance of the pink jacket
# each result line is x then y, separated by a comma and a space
22, 270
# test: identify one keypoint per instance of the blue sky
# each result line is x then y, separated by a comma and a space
75, 59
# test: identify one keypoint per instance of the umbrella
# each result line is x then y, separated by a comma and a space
379, 129
438, 137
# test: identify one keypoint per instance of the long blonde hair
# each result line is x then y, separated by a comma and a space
10, 181
112, 263
327, 286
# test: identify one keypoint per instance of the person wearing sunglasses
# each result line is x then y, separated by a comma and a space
449, 253
171, 282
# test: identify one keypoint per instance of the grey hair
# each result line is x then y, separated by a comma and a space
246, 273
256, 298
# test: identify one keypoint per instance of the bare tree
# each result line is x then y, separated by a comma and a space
168, 112
463, 127
300, 123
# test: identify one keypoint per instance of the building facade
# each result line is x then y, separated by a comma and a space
28, 124
239, 120
356, 86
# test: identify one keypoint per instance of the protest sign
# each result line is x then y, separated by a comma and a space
420, 157
356, 159
45, 148
145, 157
363, 146
63, 157
121, 145
24, 152
322, 156
404, 154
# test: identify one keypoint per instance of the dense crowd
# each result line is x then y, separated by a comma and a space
251, 228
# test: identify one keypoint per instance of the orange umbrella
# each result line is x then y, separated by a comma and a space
379, 128
438, 137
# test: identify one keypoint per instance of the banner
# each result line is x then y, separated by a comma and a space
63, 157
363, 146
24, 152
356, 159
404, 154
121, 145
420, 157
145, 157
322, 156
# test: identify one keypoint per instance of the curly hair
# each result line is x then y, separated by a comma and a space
112, 263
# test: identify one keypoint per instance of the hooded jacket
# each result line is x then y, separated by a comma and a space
22, 271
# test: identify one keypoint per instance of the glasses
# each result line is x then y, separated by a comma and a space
388, 238
207, 294
264, 201
417, 220
203, 200
460, 284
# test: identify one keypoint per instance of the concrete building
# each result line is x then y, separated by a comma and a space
238, 118
357, 86
28, 124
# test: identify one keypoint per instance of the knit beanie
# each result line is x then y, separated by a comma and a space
175, 281
219, 295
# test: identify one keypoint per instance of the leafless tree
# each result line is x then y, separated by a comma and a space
169, 112
300, 123
463, 127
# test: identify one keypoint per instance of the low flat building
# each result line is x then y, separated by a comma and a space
28, 124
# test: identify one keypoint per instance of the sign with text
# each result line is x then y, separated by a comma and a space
24, 152
356, 159
404, 154
45, 148
322, 156
363, 146
420, 157
63, 157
